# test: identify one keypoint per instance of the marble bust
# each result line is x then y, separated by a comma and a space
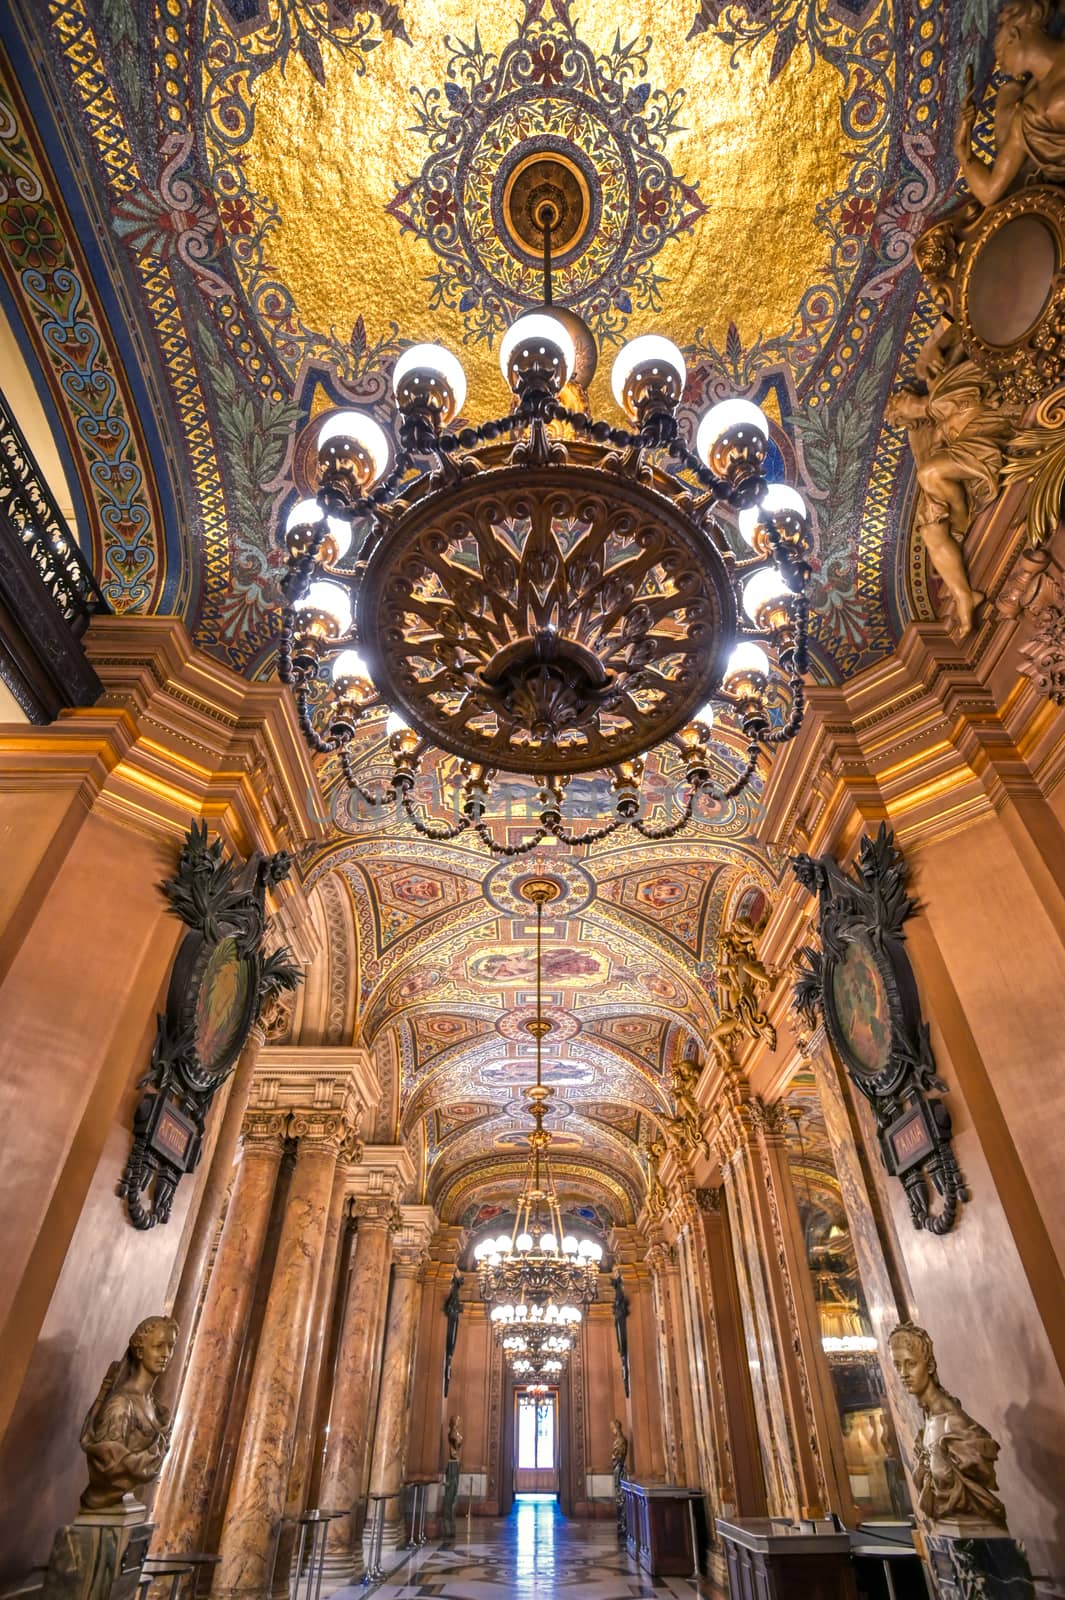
954, 1466
126, 1432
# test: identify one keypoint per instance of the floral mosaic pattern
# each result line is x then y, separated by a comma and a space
548, 90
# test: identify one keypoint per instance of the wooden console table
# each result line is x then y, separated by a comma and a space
659, 1518
770, 1558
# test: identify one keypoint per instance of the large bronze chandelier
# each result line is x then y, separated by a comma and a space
537, 1277
546, 594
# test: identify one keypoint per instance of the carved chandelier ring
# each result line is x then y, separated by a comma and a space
561, 616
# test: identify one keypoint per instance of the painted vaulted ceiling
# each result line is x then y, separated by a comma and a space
218, 217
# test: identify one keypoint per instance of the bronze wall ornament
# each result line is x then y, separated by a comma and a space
220, 981
452, 1311
862, 983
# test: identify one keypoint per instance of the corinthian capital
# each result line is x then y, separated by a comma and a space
263, 1132
322, 1132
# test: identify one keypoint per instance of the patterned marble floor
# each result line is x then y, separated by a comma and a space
533, 1554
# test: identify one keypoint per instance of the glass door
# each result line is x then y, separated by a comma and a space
536, 1442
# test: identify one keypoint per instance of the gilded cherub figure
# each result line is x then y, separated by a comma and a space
685, 1130
958, 439
1029, 107
126, 1432
954, 1467
656, 1194
742, 980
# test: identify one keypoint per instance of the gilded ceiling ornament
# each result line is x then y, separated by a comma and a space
685, 1130
547, 118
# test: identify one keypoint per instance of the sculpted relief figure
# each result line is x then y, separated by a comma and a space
954, 1470
686, 1128
1029, 108
126, 1432
656, 1194
742, 980
959, 441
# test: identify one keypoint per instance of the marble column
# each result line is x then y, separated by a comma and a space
324, 1300
658, 1262
801, 1444
350, 1415
184, 1494
390, 1434
712, 1474
208, 1211
264, 1455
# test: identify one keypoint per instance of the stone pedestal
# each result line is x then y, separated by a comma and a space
99, 1556
968, 1563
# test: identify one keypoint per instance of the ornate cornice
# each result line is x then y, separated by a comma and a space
325, 1077
385, 1172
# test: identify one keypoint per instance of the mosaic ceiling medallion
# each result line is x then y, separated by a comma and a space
513, 1023
548, 120
575, 884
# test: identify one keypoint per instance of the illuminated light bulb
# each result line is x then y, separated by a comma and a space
648, 374
532, 335
307, 514
503, 1242
596, 1252
569, 1245
585, 1247
524, 1241
762, 589
432, 373
396, 724
746, 659
728, 417
779, 499
349, 664
705, 715
548, 1243
359, 429
331, 599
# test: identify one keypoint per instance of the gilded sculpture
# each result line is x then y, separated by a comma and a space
685, 1130
656, 1194
126, 1432
954, 1457
454, 1439
742, 981
958, 438
1029, 106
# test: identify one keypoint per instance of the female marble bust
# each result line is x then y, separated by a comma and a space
954, 1470
126, 1432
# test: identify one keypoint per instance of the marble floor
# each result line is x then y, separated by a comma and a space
533, 1554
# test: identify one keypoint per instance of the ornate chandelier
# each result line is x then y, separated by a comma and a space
537, 1278
546, 594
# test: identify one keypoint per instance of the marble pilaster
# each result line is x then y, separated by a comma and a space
184, 1492
264, 1454
661, 1261
393, 1405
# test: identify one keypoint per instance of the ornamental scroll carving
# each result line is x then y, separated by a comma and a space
220, 982
861, 982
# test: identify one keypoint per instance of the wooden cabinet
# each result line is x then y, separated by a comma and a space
658, 1526
771, 1559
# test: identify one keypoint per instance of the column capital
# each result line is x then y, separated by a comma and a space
320, 1132
410, 1246
263, 1132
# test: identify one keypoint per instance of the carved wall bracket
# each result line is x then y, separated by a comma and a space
862, 983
